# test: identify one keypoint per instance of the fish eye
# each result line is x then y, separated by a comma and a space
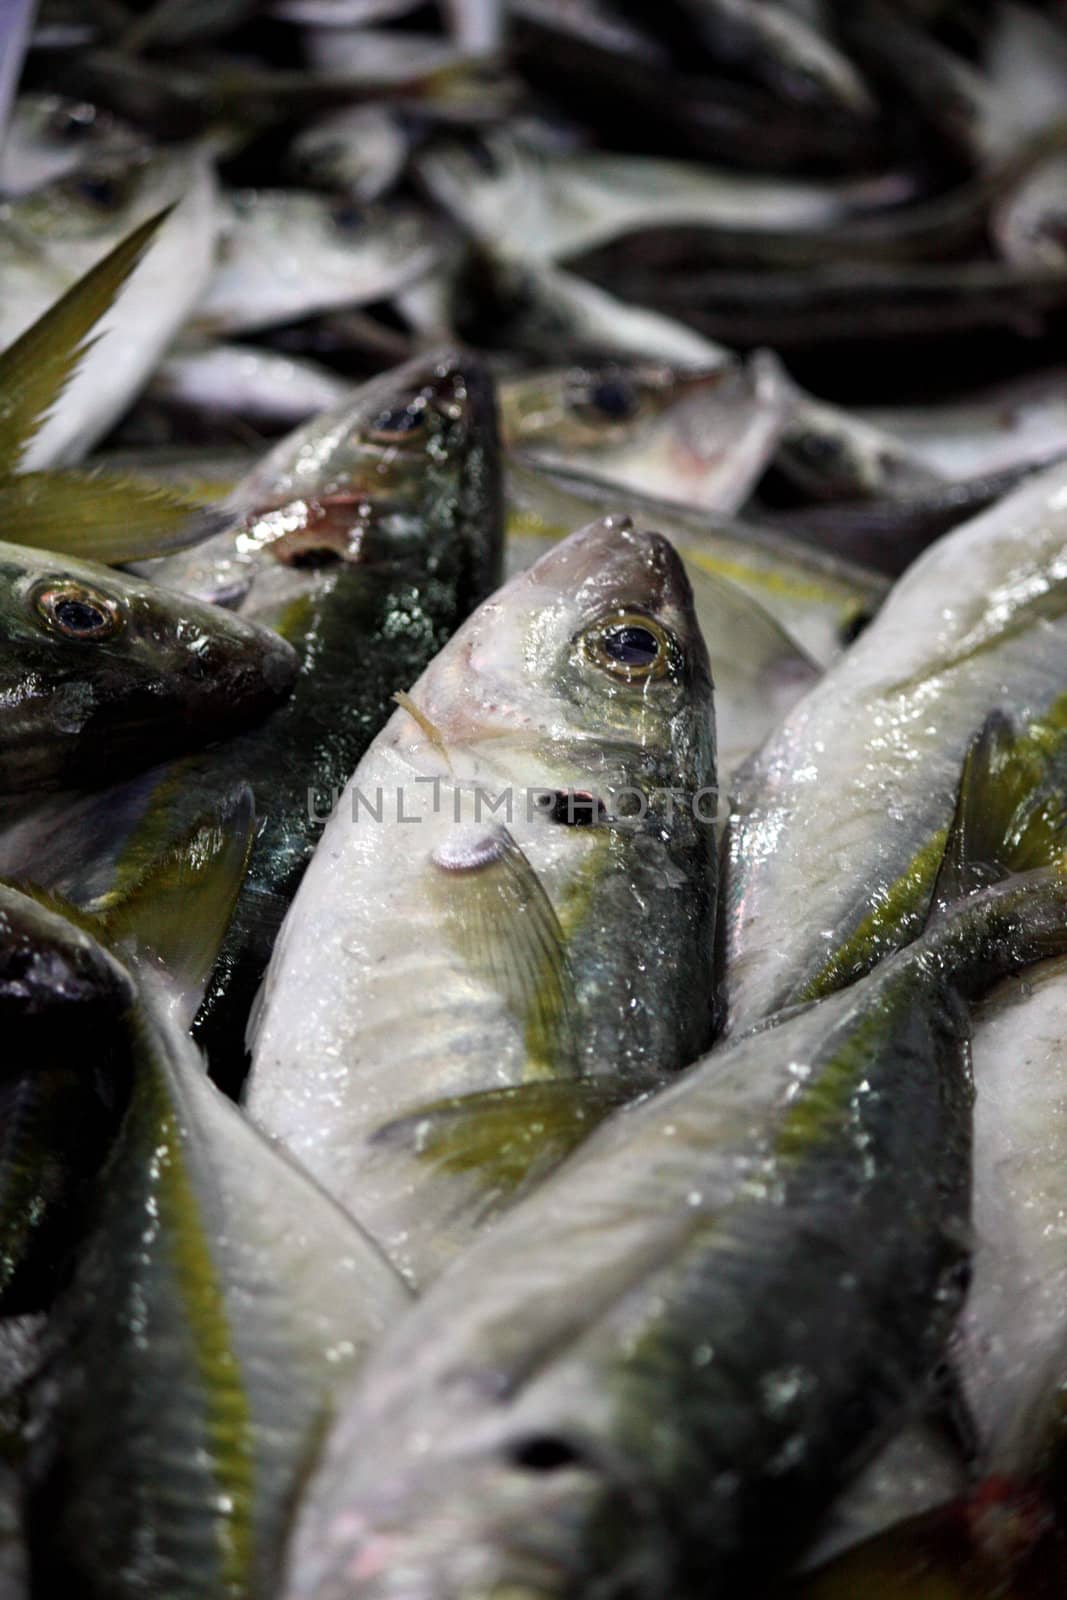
632, 646
485, 159
347, 216
78, 612
98, 189
399, 424
612, 399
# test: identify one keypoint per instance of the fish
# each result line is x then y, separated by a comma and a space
286, 253
698, 437
539, 205
841, 302
625, 74
993, 1526
217, 1300
778, 49
106, 673
887, 220
830, 455
535, 309
189, 97
992, 429
835, 836
359, 151
259, 385
953, 102
759, 672
598, 1398
51, 137
378, 529
819, 602
59, 231
522, 846
67, 1078
131, 334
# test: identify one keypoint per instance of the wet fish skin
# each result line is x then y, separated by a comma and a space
47, 241
554, 205
819, 601
62, 1093
536, 310
49, 136
108, 673
702, 438
287, 253
848, 803
379, 529
784, 309
357, 150
519, 710
1022, 420
217, 1300
550, 1439
1009, 1348
253, 383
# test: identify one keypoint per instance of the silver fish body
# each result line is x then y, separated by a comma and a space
837, 829
522, 845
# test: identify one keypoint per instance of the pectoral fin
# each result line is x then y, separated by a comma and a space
504, 925
102, 516
1011, 809
511, 1137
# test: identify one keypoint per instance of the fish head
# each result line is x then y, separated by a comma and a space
102, 673
50, 136
410, 462
597, 645
501, 1513
671, 430
102, 200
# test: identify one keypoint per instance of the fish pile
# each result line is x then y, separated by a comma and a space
533, 800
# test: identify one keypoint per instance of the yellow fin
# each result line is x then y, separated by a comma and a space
510, 1138
36, 369
101, 516
177, 910
1011, 809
